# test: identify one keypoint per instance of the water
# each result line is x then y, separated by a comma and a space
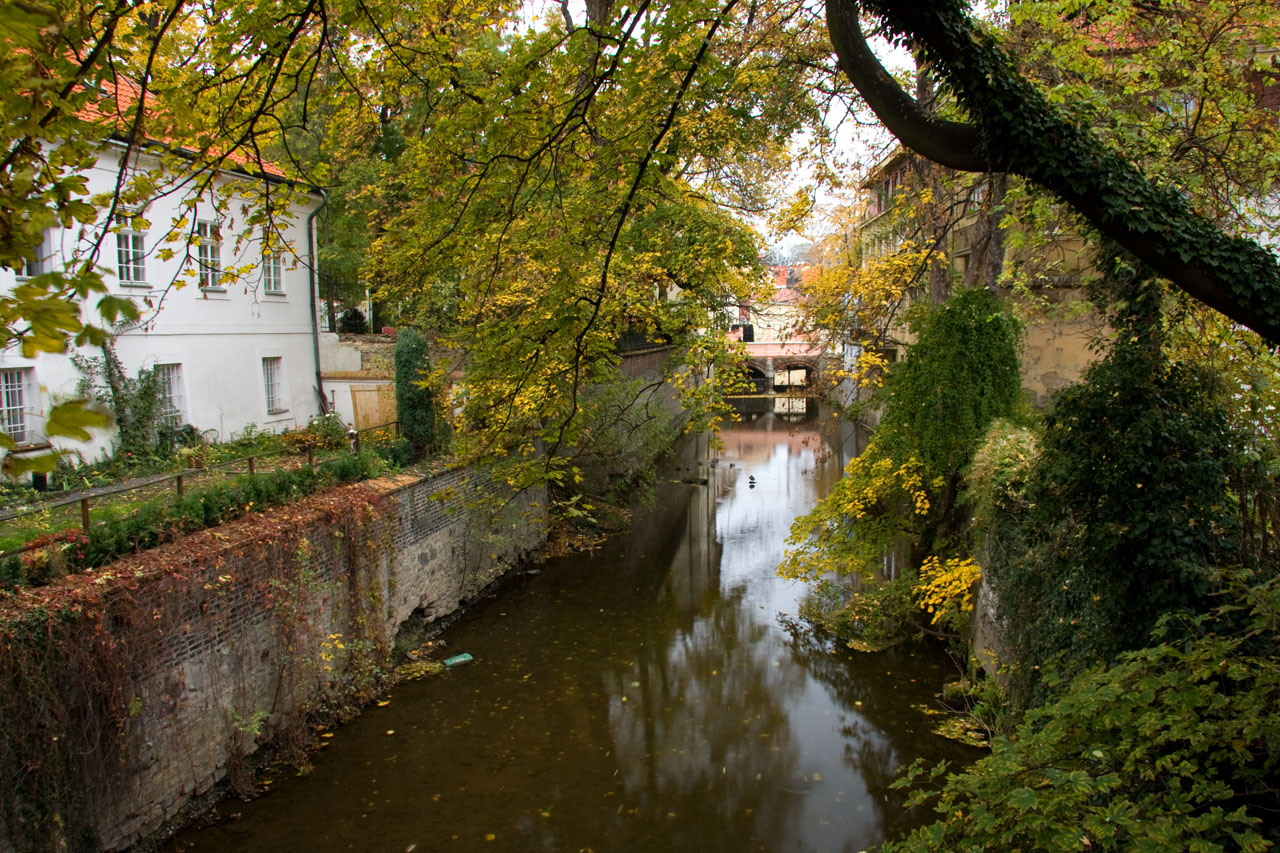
654, 695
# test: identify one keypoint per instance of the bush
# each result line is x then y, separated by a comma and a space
324, 432
1173, 747
416, 407
397, 453
353, 322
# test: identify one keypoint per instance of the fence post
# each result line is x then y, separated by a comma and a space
311, 456
252, 467
178, 484
84, 514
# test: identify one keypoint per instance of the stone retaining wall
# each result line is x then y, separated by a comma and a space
240, 648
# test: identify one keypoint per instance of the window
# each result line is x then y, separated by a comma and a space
172, 405
272, 273
131, 251
271, 384
40, 264
209, 254
13, 404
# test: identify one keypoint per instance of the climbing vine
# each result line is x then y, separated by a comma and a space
1123, 513
84, 697
961, 374
901, 495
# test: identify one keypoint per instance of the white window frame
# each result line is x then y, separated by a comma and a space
272, 273
131, 252
172, 400
209, 254
273, 385
14, 391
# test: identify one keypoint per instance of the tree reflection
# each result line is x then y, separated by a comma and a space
702, 731
883, 728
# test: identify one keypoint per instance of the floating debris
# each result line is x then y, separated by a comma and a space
458, 659
418, 669
958, 727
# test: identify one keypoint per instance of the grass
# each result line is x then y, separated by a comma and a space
270, 452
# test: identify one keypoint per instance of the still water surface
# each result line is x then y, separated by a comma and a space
655, 695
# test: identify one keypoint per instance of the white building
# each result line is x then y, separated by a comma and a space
228, 312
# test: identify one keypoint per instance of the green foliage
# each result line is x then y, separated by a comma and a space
1124, 512
322, 432
416, 408
397, 453
156, 522
1018, 129
570, 181
1172, 747
996, 490
353, 322
872, 618
961, 373
1183, 105
136, 403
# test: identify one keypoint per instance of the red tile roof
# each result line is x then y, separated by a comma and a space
125, 95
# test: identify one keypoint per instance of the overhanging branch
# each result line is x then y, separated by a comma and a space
1015, 129
951, 143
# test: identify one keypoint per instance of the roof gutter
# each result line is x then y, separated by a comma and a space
313, 268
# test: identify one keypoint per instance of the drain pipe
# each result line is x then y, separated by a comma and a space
315, 296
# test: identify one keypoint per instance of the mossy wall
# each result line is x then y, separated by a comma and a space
133, 689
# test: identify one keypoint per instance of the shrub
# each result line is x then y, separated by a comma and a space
398, 452
1173, 747
353, 322
323, 432
416, 407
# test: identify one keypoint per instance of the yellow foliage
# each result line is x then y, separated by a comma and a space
880, 480
946, 588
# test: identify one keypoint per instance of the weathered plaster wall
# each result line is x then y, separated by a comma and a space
1058, 345
241, 649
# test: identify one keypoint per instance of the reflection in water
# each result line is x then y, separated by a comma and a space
656, 694
792, 409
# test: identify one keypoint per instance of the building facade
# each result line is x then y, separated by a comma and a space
228, 318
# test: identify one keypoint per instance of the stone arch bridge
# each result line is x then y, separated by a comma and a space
784, 368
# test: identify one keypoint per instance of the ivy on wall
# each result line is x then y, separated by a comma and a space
72, 654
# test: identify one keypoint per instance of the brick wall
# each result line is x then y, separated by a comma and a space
231, 635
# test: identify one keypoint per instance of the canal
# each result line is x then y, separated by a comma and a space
656, 694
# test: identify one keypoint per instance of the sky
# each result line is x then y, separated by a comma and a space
858, 147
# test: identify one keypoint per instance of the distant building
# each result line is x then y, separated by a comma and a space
1056, 348
782, 356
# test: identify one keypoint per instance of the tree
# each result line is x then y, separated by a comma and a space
416, 408
204, 90
577, 179
1012, 127
532, 188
